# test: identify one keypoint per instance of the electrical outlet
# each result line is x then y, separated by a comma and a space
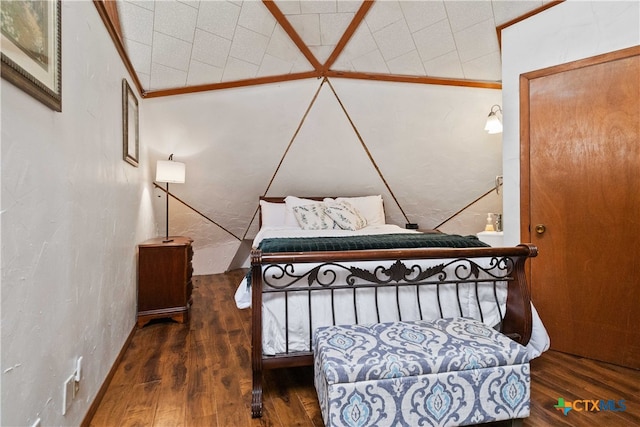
68, 393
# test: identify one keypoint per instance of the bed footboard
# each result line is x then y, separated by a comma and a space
305, 290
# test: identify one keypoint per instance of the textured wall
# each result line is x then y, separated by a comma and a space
567, 32
72, 214
424, 145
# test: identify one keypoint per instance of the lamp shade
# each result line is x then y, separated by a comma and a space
170, 171
493, 124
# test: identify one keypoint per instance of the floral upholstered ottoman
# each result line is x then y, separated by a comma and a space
443, 372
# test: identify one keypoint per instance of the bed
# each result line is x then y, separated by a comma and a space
309, 271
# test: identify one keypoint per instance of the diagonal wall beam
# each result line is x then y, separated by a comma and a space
366, 150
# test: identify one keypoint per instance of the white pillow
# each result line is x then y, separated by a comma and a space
273, 214
291, 202
370, 207
346, 216
313, 217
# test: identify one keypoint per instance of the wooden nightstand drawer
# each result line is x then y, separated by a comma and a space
164, 279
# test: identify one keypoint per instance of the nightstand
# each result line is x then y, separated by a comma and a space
164, 279
492, 238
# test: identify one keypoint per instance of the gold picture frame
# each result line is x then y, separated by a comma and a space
130, 127
32, 49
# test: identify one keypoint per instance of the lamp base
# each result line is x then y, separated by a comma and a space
167, 240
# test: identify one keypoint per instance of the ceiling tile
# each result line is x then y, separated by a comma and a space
349, 6
136, 22
256, 17
175, 19
218, 17
408, 64
210, 49
371, 62
140, 55
322, 53
476, 40
421, 14
147, 4
394, 40
505, 10
434, 41
322, 6
447, 65
383, 13
288, 7
145, 79
163, 77
307, 27
238, 69
333, 26
170, 52
193, 3
301, 65
248, 46
463, 14
281, 46
362, 42
272, 66
488, 67
342, 64
201, 73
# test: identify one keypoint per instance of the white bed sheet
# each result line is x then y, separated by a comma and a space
274, 336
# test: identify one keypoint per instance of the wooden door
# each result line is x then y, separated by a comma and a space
581, 203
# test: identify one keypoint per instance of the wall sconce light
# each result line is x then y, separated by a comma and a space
494, 125
168, 171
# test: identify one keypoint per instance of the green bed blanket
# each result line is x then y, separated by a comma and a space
379, 241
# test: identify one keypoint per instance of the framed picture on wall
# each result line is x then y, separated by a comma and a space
31, 49
129, 124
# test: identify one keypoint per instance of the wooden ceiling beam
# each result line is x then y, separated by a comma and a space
231, 84
351, 29
293, 35
108, 11
414, 79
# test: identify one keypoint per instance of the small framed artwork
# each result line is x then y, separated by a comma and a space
129, 124
31, 49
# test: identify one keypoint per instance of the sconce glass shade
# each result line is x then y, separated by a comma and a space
494, 124
170, 172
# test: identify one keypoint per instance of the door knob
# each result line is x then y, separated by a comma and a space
540, 228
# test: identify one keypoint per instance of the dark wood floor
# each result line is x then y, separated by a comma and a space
199, 374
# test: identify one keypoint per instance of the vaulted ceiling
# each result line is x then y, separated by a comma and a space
183, 46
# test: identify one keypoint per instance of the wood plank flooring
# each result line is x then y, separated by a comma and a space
199, 374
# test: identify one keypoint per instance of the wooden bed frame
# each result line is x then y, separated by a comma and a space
396, 268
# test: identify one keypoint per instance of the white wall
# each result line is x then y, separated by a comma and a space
427, 142
72, 214
567, 32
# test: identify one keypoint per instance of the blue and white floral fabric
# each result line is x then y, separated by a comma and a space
445, 372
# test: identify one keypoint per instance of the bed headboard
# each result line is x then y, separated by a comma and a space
371, 205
